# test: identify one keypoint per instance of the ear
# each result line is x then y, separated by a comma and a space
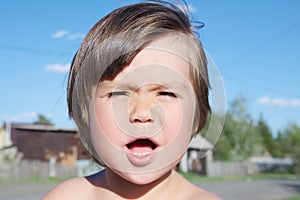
195, 128
196, 123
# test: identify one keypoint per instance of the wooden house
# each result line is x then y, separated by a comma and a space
43, 142
197, 157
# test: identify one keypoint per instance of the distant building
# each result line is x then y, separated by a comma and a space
5, 137
270, 164
45, 142
2, 138
197, 157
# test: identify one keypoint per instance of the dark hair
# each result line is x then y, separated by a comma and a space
115, 40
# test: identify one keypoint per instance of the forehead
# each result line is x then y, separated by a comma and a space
165, 57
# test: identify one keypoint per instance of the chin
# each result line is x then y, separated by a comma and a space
145, 178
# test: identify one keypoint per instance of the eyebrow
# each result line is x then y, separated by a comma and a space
164, 86
109, 85
175, 84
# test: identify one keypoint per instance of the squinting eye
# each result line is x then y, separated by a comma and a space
168, 94
117, 93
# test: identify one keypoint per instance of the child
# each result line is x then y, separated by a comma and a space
138, 92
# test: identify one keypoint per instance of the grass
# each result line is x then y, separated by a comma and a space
294, 198
199, 178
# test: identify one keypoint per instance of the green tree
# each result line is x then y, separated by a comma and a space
42, 119
267, 138
240, 139
223, 148
281, 145
289, 141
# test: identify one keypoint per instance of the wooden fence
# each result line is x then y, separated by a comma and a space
223, 169
27, 169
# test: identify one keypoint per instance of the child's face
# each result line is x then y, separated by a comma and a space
141, 121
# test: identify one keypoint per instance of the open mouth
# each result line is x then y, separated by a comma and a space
141, 144
141, 151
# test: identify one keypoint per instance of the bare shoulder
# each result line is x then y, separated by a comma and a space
75, 188
199, 194
193, 192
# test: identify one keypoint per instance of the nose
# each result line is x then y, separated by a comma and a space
140, 109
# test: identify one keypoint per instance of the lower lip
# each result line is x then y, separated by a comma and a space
140, 158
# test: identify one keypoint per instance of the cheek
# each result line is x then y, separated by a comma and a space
106, 123
179, 120
172, 126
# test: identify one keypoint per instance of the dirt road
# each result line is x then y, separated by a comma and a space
254, 189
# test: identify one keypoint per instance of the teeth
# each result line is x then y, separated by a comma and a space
141, 153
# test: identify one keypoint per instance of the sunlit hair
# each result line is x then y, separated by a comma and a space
114, 41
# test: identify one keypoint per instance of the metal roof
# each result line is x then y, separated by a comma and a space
199, 142
42, 127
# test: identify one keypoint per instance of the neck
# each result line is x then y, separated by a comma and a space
129, 190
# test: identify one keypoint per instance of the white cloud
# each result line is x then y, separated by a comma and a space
59, 34
278, 102
76, 36
58, 68
24, 116
67, 35
28, 114
295, 102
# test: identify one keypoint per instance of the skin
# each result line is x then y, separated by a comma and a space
108, 185
141, 95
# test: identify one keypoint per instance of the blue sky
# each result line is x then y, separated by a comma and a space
255, 45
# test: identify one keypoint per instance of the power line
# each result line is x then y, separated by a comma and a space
258, 87
264, 44
33, 50
253, 51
